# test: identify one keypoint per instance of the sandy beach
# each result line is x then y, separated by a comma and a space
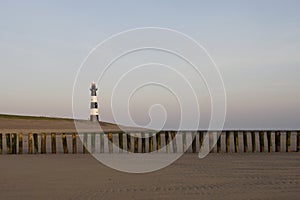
80, 176
218, 176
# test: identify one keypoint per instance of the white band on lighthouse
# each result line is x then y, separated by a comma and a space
94, 111
94, 99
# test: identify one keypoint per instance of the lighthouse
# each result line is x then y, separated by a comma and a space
94, 115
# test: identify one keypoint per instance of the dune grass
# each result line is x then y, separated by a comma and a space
8, 116
24, 117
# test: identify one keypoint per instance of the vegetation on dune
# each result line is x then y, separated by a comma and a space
7, 116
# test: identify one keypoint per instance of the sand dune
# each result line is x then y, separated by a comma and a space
12, 123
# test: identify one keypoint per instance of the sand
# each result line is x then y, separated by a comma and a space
218, 176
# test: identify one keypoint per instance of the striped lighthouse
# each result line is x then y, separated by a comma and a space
94, 115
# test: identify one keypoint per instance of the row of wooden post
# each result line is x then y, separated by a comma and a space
33, 143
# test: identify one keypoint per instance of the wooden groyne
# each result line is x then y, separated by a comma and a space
231, 141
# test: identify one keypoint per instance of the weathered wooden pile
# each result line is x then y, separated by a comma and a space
143, 142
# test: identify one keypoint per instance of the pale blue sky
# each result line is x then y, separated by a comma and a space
255, 44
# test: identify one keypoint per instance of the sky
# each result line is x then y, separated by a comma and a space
255, 45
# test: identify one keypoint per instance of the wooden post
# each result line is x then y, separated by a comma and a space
14, 143
93, 140
261, 141
219, 142
211, 141
253, 141
121, 142
173, 138
245, 141
35, 143
65, 143
1, 143
8, 143
277, 141
128, 142
20, 143
201, 139
269, 136
136, 143
298, 141
101, 142
158, 142
194, 142
227, 141
167, 140
43, 143
288, 141
151, 148
236, 141
30, 143
183, 142
53, 143
143, 143
74, 143
85, 143
110, 143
